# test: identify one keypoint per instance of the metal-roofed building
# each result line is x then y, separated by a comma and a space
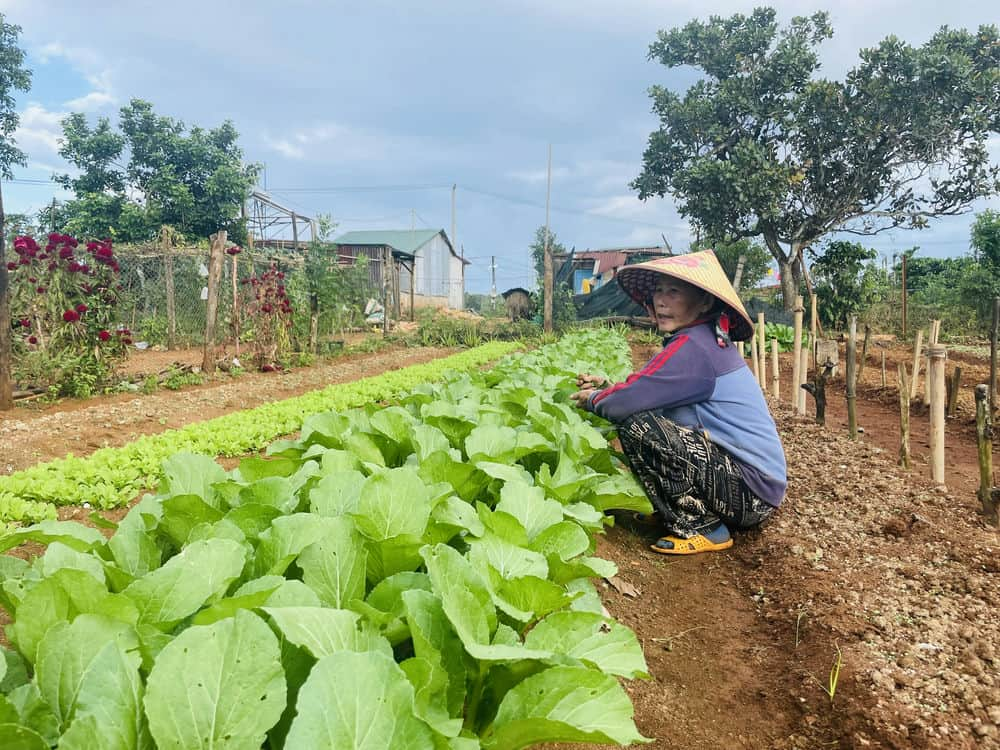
438, 272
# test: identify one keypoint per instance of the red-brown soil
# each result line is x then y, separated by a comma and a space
899, 575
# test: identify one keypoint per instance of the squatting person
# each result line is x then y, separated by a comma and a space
693, 423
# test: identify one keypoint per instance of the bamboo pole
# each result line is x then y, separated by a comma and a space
935, 375
762, 351
852, 344
775, 373
915, 374
797, 353
932, 340
803, 367
987, 493
755, 359
904, 417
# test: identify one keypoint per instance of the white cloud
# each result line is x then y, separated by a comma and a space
39, 130
285, 148
89, 102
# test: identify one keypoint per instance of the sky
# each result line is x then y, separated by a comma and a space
371, 111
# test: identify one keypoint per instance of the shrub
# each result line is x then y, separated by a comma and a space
63, 304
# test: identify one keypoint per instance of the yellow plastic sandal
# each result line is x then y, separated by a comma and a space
692, 546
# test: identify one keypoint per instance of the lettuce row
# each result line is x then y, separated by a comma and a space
111, 477
413, 576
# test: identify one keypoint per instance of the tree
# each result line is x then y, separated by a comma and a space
985, 240
13, 77
847, 282
563, 310
760, 148
756, 259
193, 180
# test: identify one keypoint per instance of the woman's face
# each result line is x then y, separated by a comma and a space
677, 304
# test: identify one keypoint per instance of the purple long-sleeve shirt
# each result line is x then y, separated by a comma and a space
706, 387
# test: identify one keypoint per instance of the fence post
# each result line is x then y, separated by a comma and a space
775, 374
168, 280
993, 357
214, 276
6, 343
797, 353
386, 264
915, 374
852, 412
236, 306
904, 417
935, 376
988, 495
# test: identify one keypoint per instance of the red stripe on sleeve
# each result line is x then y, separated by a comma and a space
655, 364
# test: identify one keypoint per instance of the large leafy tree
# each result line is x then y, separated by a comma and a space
762, 147
13, 77
985, 239
193, 180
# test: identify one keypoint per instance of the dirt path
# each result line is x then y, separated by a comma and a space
38, 434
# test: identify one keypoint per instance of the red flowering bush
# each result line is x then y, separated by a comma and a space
267, 314
63, 305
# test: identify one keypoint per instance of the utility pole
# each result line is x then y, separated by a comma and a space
493, 282
547, 255
454, 241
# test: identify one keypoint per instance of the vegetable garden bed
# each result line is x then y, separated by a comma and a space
410, 576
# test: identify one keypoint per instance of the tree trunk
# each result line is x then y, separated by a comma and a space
6, 345
789, 283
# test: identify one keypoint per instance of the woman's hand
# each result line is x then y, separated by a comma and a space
584, 380
582, 396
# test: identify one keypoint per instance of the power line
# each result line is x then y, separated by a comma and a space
359, 189
563, 210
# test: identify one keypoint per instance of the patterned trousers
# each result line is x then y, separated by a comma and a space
691, 482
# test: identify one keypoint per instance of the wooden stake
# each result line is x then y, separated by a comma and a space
993, 356
935, 375
864, 351
915, 376
6, 342
988, 495
932, 340
386, 281
803, 367
762, 351
236, 306
215, 258
818, 389
883, 369
775, 374
852, 344
755, 360
904, 417
168, 279
954, 385
797, 352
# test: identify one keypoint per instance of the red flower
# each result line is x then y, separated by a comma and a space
40, 290
81, 308
103, 335
11, 266
32, 339
234, 250
66, 252
24, 323
71, 316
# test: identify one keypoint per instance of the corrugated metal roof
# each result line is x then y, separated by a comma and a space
409, 241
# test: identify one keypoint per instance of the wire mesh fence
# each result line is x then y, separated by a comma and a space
165, 295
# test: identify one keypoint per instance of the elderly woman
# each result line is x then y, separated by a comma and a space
693, 422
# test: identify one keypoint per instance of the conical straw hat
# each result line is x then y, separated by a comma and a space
701, 269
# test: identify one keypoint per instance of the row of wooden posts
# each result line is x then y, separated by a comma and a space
940, 391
